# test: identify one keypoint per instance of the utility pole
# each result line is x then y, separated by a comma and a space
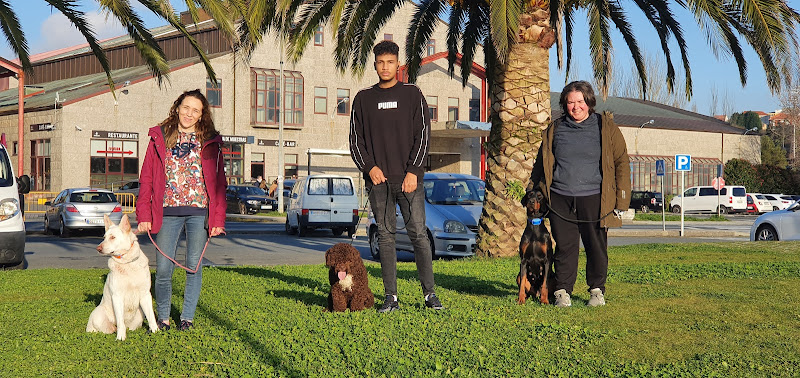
279, 190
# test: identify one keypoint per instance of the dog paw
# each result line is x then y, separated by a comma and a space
521, 300
121, 337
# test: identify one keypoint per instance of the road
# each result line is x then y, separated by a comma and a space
257, 243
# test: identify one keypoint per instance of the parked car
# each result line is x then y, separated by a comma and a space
453, 205
322, 201
645, 201
732, 199
758, 202
779, 201
246, 199
80, 208
12, 226
129, 187
777, 225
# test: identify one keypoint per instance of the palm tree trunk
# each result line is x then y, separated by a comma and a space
520, 98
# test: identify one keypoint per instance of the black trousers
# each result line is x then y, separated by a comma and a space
568, 234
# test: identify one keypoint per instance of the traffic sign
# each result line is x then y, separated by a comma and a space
659, 167
718, 183
683, 162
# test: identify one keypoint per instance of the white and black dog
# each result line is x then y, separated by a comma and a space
126, 295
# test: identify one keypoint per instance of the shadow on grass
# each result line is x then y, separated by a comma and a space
308, 298
460, 284
254, 341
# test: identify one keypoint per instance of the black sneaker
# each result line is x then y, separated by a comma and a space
389, 304
162, 325
433, 302
185, 325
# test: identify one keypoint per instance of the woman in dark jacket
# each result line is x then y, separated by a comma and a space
583, 170
182, 183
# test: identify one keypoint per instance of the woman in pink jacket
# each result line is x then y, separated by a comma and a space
182, 184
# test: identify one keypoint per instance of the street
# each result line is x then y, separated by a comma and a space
262, 243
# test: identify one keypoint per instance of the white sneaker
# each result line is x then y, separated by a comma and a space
562, 298
596, 298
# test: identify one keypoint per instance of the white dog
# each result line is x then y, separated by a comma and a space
127, 290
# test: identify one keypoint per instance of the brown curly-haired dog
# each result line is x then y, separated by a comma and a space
348, 278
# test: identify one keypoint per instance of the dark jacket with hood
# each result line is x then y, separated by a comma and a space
615, 167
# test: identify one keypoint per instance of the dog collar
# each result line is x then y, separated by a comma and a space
536, 221
119, 257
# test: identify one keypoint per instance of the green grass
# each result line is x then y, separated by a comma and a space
672, 218
727, 309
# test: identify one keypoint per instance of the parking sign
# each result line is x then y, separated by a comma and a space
683, 162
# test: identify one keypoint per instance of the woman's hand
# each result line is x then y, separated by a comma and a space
145, 226
217, 231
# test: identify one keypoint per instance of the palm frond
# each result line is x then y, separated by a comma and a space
457, 18
476, 29
14, 35
311, 18
378, 18
504, 21
600, 44
420, 29
568, 28
69, 9
617, 16
144, 42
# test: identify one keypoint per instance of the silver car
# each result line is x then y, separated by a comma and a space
453, 205
81, 208
777, 225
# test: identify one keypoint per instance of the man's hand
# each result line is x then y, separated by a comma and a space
376, 175
410, 182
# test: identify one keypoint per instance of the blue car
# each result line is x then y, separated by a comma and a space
453, 205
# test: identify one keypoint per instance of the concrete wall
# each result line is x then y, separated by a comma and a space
659, 142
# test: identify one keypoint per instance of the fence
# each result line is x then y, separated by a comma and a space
34, 202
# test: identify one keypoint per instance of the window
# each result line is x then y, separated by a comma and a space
433, 107
431, 47
342, 186
318, 186
343, 101
256, 165
15, 149
319, 36
264, 101
290, 165
40, 164
708, 192
113, 162
214, 93
387, 37
474, 109
320, 100
452, 109
234, 162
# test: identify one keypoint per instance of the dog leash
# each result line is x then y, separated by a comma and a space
199, 261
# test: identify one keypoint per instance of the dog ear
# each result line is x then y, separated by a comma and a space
107, 221
125, 224
539, 195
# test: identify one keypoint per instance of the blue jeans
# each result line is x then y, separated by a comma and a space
167, 239
383, 199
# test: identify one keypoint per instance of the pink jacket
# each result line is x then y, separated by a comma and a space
153, 181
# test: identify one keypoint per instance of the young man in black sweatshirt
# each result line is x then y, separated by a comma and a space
389, 141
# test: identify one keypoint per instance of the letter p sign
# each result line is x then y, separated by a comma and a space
683, 162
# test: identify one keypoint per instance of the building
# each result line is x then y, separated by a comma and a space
78, 134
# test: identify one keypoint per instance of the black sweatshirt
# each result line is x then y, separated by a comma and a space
390, 128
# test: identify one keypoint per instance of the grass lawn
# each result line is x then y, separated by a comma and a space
725, 309
673, 217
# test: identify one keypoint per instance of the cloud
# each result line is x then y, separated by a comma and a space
58, 32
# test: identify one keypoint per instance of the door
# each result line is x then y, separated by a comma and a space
317, 200
343, 200
689, 199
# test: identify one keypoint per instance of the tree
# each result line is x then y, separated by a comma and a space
741, 172
223, 11
747, 120
626, 83
516, 37
771, 153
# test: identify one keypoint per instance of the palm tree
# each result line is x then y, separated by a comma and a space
516, 37
223, 11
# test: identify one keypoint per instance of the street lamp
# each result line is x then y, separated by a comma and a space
636, 142
755, 129
650, 122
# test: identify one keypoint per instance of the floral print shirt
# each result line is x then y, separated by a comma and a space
184, 172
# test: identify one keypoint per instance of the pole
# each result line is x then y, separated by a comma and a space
683, 173
281, 168
663, 199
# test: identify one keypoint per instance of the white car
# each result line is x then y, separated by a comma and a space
779, 201
760, 203
777, 225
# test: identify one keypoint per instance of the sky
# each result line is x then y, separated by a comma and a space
47, 30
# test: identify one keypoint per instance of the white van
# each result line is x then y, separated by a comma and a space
12, 226
322, 201
732, 199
